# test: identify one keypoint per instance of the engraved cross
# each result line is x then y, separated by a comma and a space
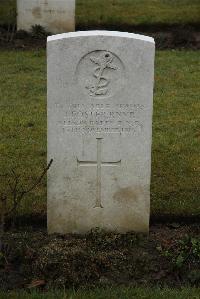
99, 163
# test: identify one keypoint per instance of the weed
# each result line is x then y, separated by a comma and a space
184, 256
37, 31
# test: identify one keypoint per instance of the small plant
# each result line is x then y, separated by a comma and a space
13, 194
184, 252
37, 31
189, 250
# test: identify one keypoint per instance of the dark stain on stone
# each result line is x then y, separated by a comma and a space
36, 12
128, 194
62, 25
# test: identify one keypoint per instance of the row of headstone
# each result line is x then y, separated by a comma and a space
100, 99
55, 16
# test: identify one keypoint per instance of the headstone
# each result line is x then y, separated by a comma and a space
55, 16
100, 99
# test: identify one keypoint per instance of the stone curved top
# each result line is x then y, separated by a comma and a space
100, 33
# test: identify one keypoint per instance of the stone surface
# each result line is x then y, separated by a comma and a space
55, 16
100, 99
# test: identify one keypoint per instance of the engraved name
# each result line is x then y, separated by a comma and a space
102, 118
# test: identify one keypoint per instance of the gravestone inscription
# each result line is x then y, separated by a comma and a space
100, 99
55, 16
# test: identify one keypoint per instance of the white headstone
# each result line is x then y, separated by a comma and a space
55, 16
100, 99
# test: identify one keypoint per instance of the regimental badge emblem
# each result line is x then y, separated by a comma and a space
101, 74
101, 85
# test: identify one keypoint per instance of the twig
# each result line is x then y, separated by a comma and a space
39, 179
8, 33
17, 195
3, 200
12, 33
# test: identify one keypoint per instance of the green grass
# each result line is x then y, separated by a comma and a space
136, 12
7, 12
176, 134
109, 293
175, 185
23, 118
123, 12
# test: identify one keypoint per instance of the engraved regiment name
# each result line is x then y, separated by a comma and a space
102, 118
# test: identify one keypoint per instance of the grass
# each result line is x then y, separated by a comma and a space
175, 184
118, 13
109, 293
176, 135
23, 117
7, 12
107, 13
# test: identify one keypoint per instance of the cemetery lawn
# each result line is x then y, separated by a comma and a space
7, 12
127, 13
175, 186
109, 293
122, 13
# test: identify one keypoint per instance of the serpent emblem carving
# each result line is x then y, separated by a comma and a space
100, 85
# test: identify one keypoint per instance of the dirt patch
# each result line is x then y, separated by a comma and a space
174, 36
170, 255
166, 37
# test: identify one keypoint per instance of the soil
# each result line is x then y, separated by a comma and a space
169, 255
166, 37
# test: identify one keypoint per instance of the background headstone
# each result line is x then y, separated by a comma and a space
56, 16
100, 99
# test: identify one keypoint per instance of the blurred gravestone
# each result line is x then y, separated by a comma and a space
56, 16
100, 92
